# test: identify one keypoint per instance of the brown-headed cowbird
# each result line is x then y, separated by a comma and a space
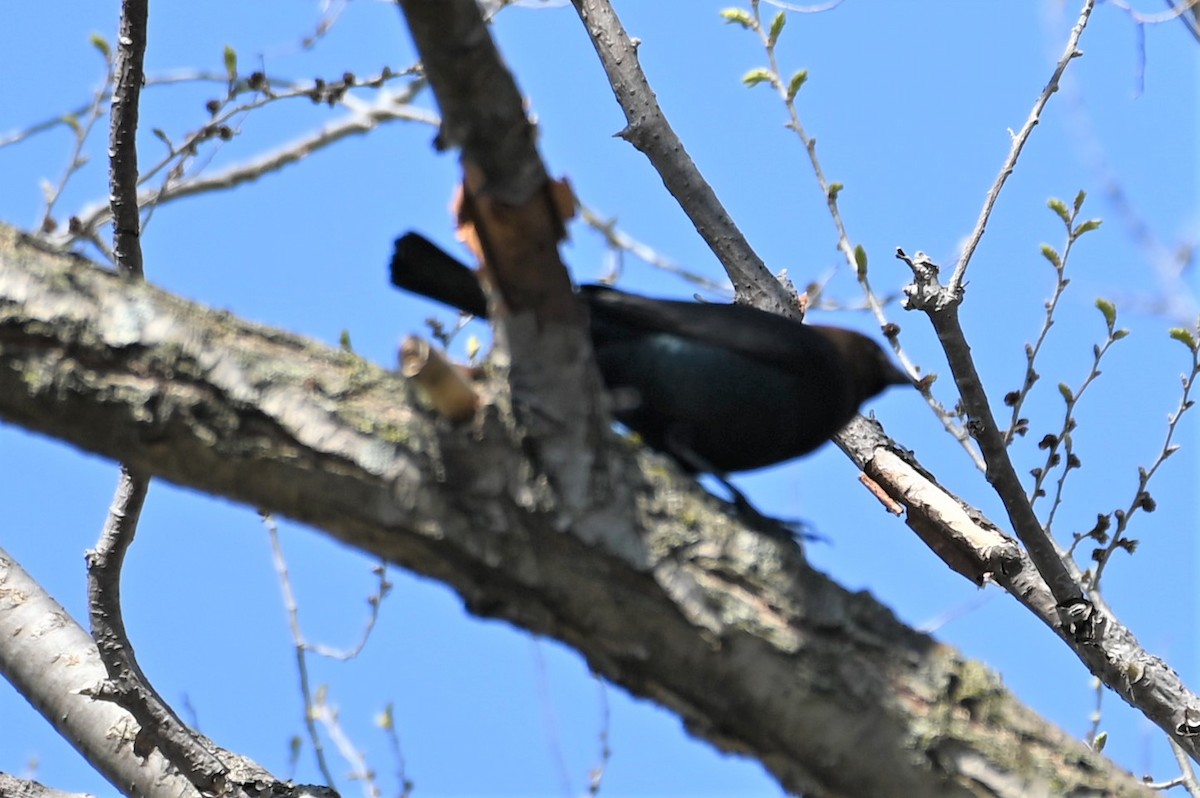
719, 387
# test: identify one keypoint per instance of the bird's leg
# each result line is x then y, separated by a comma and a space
788, 529
793, 529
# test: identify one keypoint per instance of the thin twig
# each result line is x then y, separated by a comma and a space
388, 722
301, 650
303, 647
1016, 399
356, 123
360, 770
855, 257
92, 113
1142, 499
1169, 260
619, 241
596, 775
1019, 140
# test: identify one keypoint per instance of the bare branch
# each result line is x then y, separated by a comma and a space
127, 685
855, 257
13, 787
390, 107
122, 139
649, 131
303, 647
81, 131
54, 663
160, 728
941, 305
513, 217
276, 422
1069, 53
1141, 498
619, 242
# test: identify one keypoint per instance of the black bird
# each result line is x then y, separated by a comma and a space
719, 387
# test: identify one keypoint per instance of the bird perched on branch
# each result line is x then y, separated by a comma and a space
721, 388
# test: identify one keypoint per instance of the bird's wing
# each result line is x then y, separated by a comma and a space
750, 332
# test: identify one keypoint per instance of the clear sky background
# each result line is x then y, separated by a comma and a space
911, 104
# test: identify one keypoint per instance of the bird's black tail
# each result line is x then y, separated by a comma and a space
421, 267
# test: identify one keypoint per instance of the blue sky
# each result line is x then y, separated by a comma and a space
911, 105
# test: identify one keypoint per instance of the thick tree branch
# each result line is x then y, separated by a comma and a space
979, 553
55, 664
13, 787
730, 630
509, 214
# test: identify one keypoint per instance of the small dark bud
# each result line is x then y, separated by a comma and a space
1099, 532
348, 78
1146, 502
225, 133
317, 94
1129, 545
74, 225
1048, 442
1011, 398
1036, 473
1098, 555
256, 81
1054, 460
212, 106
891, 330
1073, 461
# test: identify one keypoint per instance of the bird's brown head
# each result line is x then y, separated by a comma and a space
872, 371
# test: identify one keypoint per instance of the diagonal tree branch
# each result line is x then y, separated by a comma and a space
1107, 648
512, 215
55, 664
728, 629
647, 129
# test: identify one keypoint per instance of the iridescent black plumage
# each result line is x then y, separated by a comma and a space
719, 387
